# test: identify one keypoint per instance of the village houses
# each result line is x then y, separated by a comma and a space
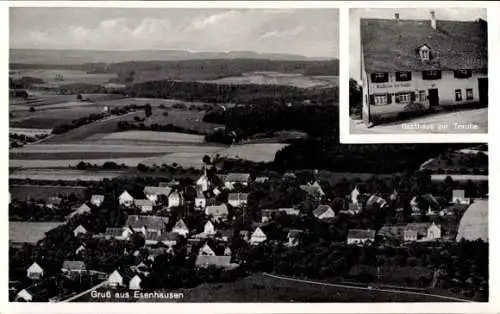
324, 212
115, 279
217, 212
34, 272
233, 179
96, 200
72, 267
421, 64
203, 182
181, 228
458, 197
53, 202
82, 209
258, 236
125, 199
175, 199
144, 205
154, 193
423, 231
237, 199
360, 236
79, 230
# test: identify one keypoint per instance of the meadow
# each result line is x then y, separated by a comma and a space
62, 174
50, 76
276, 78
23, 192
29, 232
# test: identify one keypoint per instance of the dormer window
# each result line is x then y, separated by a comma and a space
425, 53
380, 77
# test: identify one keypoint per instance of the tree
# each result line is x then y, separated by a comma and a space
79, 97
32, 109
206, 159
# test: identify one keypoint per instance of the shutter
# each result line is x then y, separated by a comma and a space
389, 98
372, 100
412, 96
396, 96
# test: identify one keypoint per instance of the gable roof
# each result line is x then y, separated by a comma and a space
80, 228
361, 234
216, 210
157, 190
96, 198
454, 45
258, 232
180, 224
391, 231
141, 203
321, 209
126, 195
375, 199
35, 268
312, 189
217, 261
54, 200
73, 265
237, 196
418, 227
150, 222
237, 177
113, 232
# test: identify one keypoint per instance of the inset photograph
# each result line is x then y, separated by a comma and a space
418, 71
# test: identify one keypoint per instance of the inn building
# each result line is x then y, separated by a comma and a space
417, 65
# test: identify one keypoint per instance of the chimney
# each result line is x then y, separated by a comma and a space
396, 16
433, 19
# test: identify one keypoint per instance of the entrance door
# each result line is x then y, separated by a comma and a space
433, 97
483, 90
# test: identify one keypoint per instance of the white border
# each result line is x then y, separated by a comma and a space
346, 137
490, 307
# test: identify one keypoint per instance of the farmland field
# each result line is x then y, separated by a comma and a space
48, 119
63, 174
50, 100
474, 223
188, 119
29, 232
68, 76
22, 192
253, 152
157, 136
108, 125
29, 131
459, 177
275, 78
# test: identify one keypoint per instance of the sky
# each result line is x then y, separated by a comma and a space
459, 14
308, 32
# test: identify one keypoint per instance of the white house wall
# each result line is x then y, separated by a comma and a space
446, 91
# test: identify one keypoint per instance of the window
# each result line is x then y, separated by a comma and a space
462, 73
380, 99
380, 77
421, 96
468, 94
403, 76
431, 75
404, 97
458, 95
425, 53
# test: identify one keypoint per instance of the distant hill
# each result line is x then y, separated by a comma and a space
67, 57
